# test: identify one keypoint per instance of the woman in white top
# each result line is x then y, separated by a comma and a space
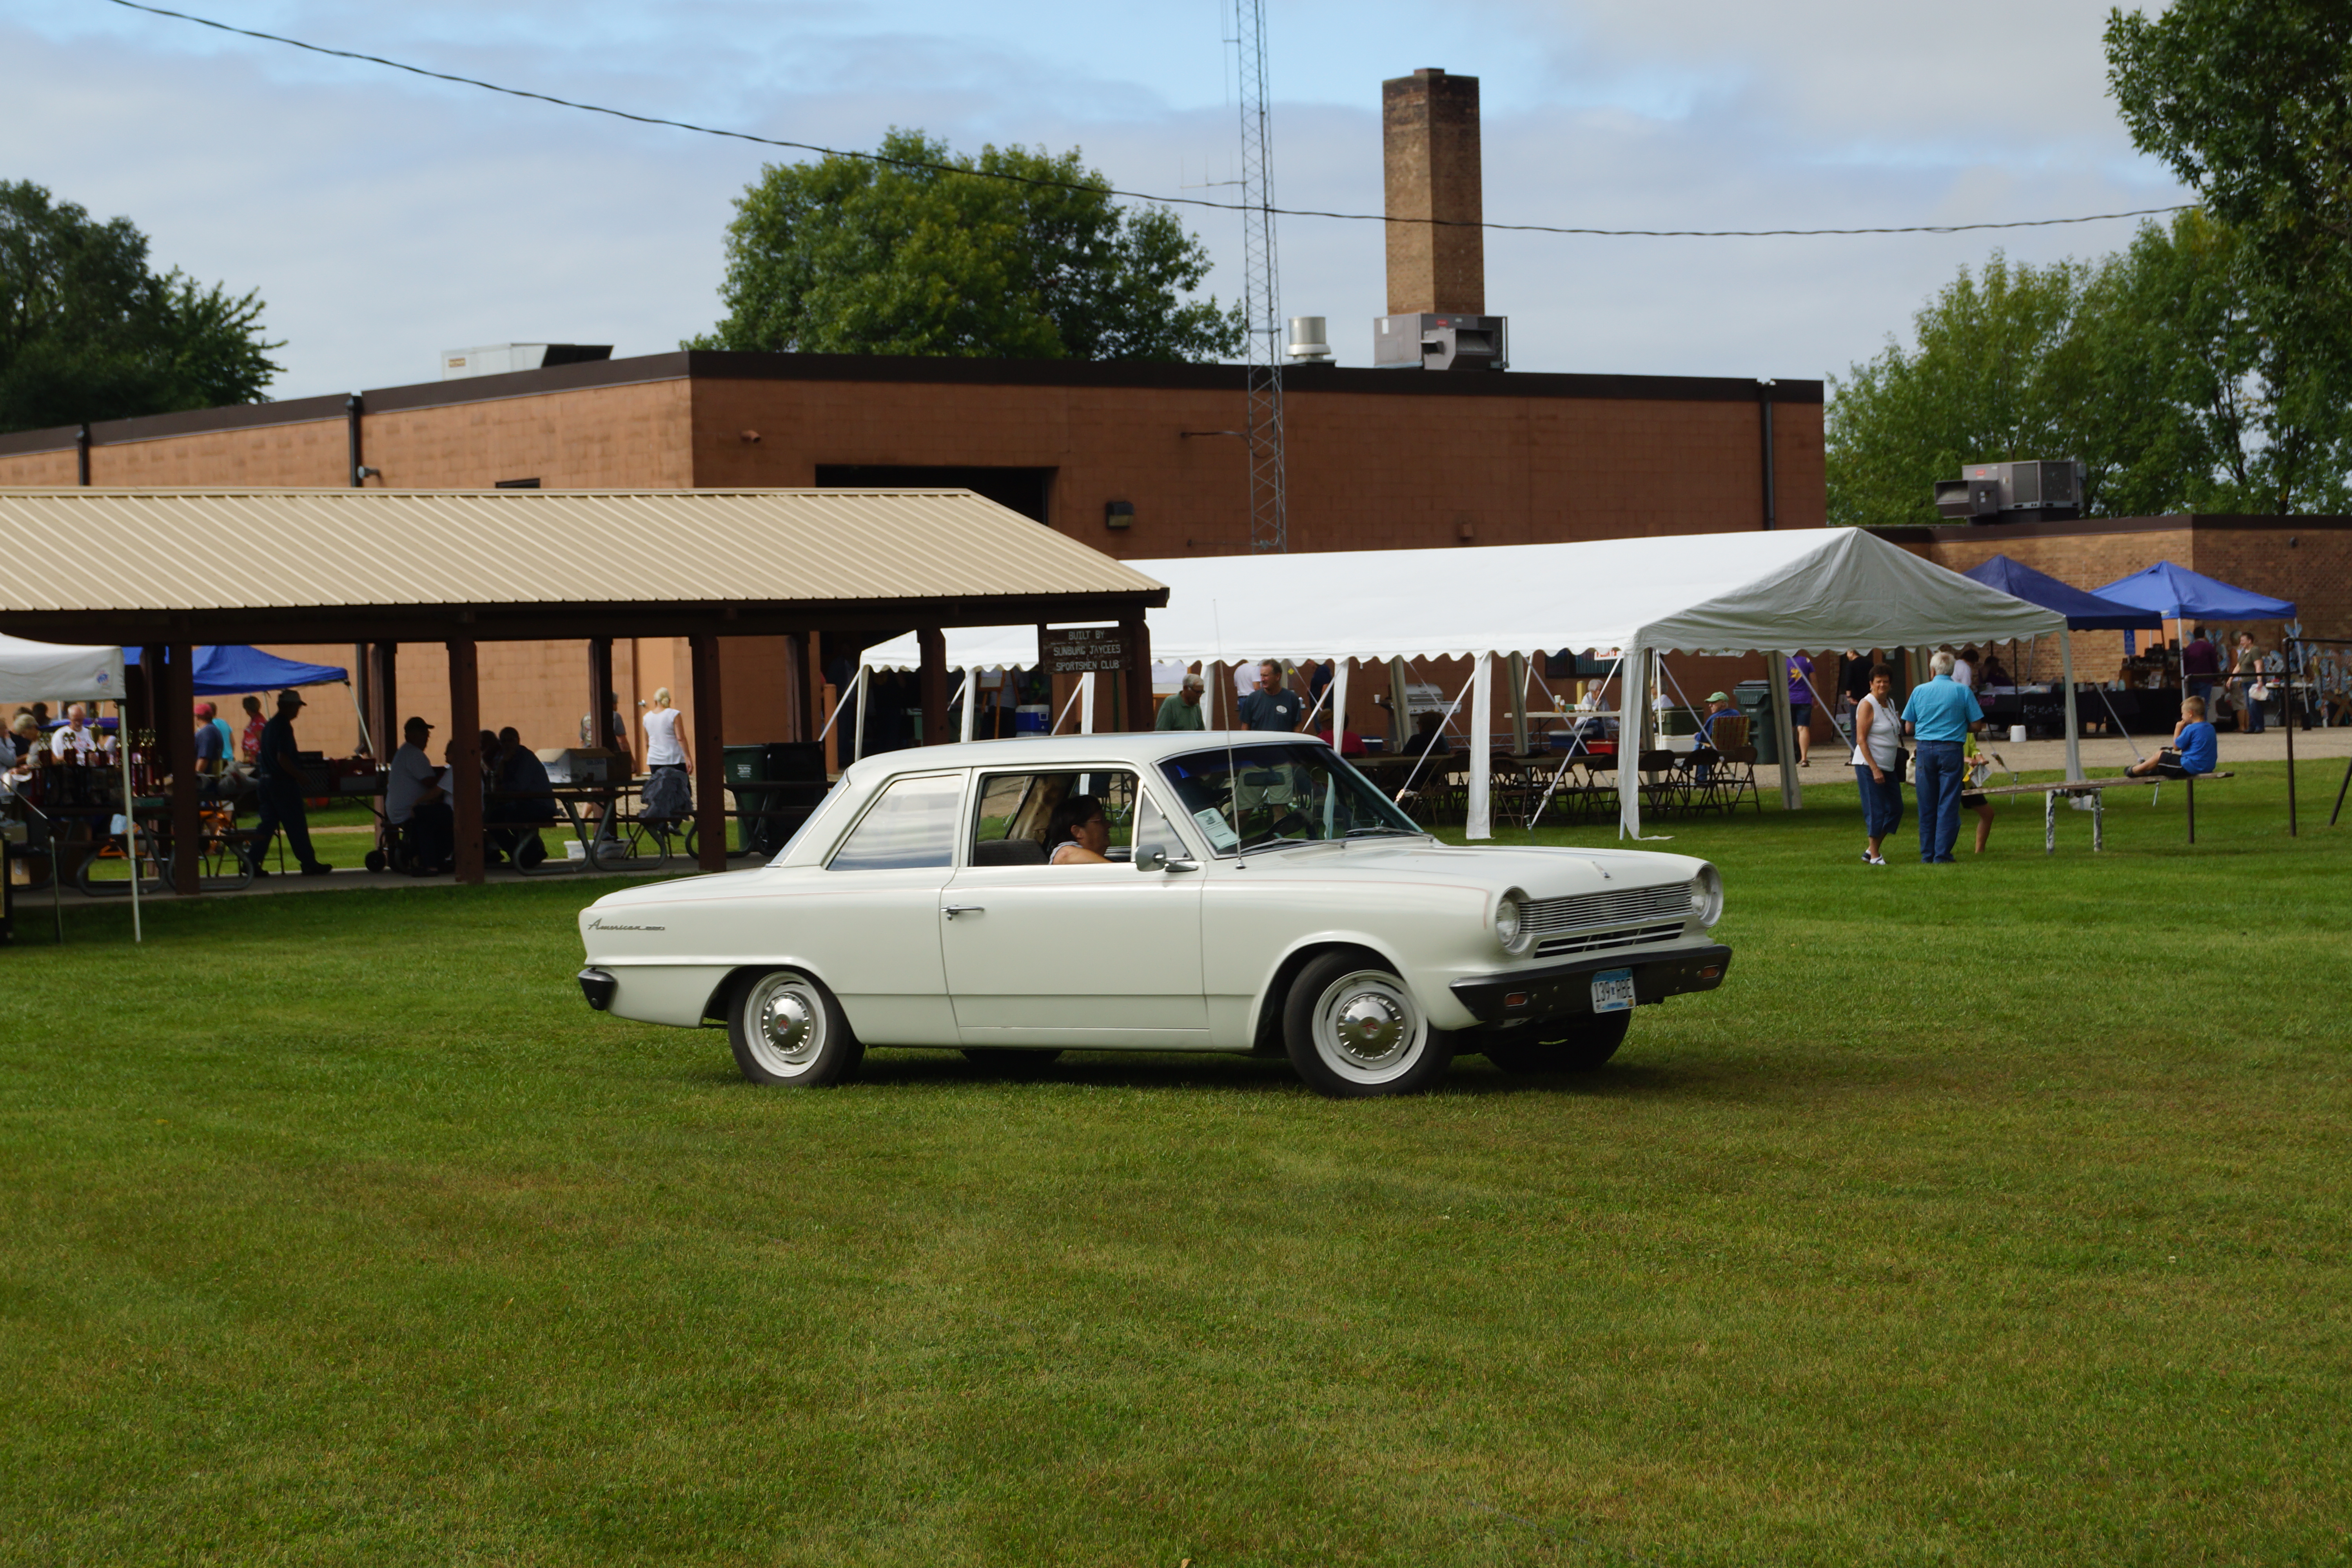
668, 760
1878, 736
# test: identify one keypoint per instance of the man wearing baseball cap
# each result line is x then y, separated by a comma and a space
279, 775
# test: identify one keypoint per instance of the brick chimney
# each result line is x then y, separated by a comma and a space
1429, 127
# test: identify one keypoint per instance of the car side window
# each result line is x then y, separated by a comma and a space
1014, 813
912, 823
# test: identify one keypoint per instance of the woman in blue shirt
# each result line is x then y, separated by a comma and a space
2194, 750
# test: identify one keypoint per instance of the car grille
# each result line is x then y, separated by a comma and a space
1594, 910
1596, 922
1601, 941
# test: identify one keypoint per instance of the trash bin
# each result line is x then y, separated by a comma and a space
747, 772
1755, 700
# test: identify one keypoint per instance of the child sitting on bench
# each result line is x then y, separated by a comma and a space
2194, 750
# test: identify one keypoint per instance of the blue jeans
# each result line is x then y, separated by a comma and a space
1938, 773
1882, 804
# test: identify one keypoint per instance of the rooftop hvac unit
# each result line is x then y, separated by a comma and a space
1441, 343
498, 359
2012, 492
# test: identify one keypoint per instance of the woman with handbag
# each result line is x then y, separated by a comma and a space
666, 797
1878, 761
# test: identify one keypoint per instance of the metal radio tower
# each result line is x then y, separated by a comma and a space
1260, 288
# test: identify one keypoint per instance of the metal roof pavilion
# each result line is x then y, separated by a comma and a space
168, 568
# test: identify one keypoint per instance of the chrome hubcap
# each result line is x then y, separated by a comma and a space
787, 1030
1368, 1027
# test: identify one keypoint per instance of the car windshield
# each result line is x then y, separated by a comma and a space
1289, 793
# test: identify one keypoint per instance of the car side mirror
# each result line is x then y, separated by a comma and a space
1152, 859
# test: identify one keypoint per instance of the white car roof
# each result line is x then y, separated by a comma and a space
1051, 750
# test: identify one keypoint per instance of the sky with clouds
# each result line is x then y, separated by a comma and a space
385, 218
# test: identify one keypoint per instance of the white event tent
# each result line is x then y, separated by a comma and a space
1780, 592
62, 672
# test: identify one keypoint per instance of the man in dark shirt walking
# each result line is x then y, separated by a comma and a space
279, 774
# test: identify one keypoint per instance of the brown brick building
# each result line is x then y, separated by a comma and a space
1397, 458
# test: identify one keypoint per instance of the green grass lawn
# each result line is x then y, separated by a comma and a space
1992, 1213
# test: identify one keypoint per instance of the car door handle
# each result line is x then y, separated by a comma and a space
954, 910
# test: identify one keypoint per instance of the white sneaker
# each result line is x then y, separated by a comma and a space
1876, 859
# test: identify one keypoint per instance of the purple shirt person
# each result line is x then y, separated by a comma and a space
1800, 705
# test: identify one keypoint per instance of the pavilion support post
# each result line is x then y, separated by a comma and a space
1134, 641
1339, 704
1784, 728
933, 684
813, 671
385, 694
175, 719
1400, 708
710, 753
599, 692
464, 753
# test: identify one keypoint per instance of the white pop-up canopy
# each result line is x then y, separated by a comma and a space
57, 672
1808, 589
64, 672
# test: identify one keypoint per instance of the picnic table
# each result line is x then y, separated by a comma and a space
2096, 790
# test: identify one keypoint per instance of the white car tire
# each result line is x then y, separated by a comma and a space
787, 1029
1579, 1042
1353, 1030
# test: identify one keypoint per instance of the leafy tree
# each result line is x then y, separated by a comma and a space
87, 331
849, 256
2164, 369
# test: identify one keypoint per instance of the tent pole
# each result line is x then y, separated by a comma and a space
857, 740
130, 808
1629, 744
2074, 730
1478, 819
1340, 705
1519, 705
1784, 727
1400, 706
968, 692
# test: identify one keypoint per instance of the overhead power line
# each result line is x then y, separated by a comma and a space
920, 164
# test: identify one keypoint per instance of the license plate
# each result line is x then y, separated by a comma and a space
1612, 991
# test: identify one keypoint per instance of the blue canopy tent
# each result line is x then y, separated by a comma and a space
226, 669
2084, 612
2179, 594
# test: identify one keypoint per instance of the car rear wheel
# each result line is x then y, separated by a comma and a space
1579, 1042
1353, 1030
786, 1028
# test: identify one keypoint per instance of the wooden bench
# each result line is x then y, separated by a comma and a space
2096, 789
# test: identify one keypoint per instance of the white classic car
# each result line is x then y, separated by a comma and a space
1174, 892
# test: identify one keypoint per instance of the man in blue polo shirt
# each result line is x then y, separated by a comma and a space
1940, 715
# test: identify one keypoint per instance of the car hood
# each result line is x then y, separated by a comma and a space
1539, 871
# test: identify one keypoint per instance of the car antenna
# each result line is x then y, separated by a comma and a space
1233, 778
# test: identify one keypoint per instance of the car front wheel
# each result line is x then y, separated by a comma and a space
1580, 1042
786, 1028
1353, 1030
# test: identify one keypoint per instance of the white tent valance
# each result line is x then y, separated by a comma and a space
1800, 589
1805, 589
59, 672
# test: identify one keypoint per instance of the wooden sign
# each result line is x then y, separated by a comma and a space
1074, 650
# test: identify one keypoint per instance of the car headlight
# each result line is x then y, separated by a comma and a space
1706, 896
1508, 923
